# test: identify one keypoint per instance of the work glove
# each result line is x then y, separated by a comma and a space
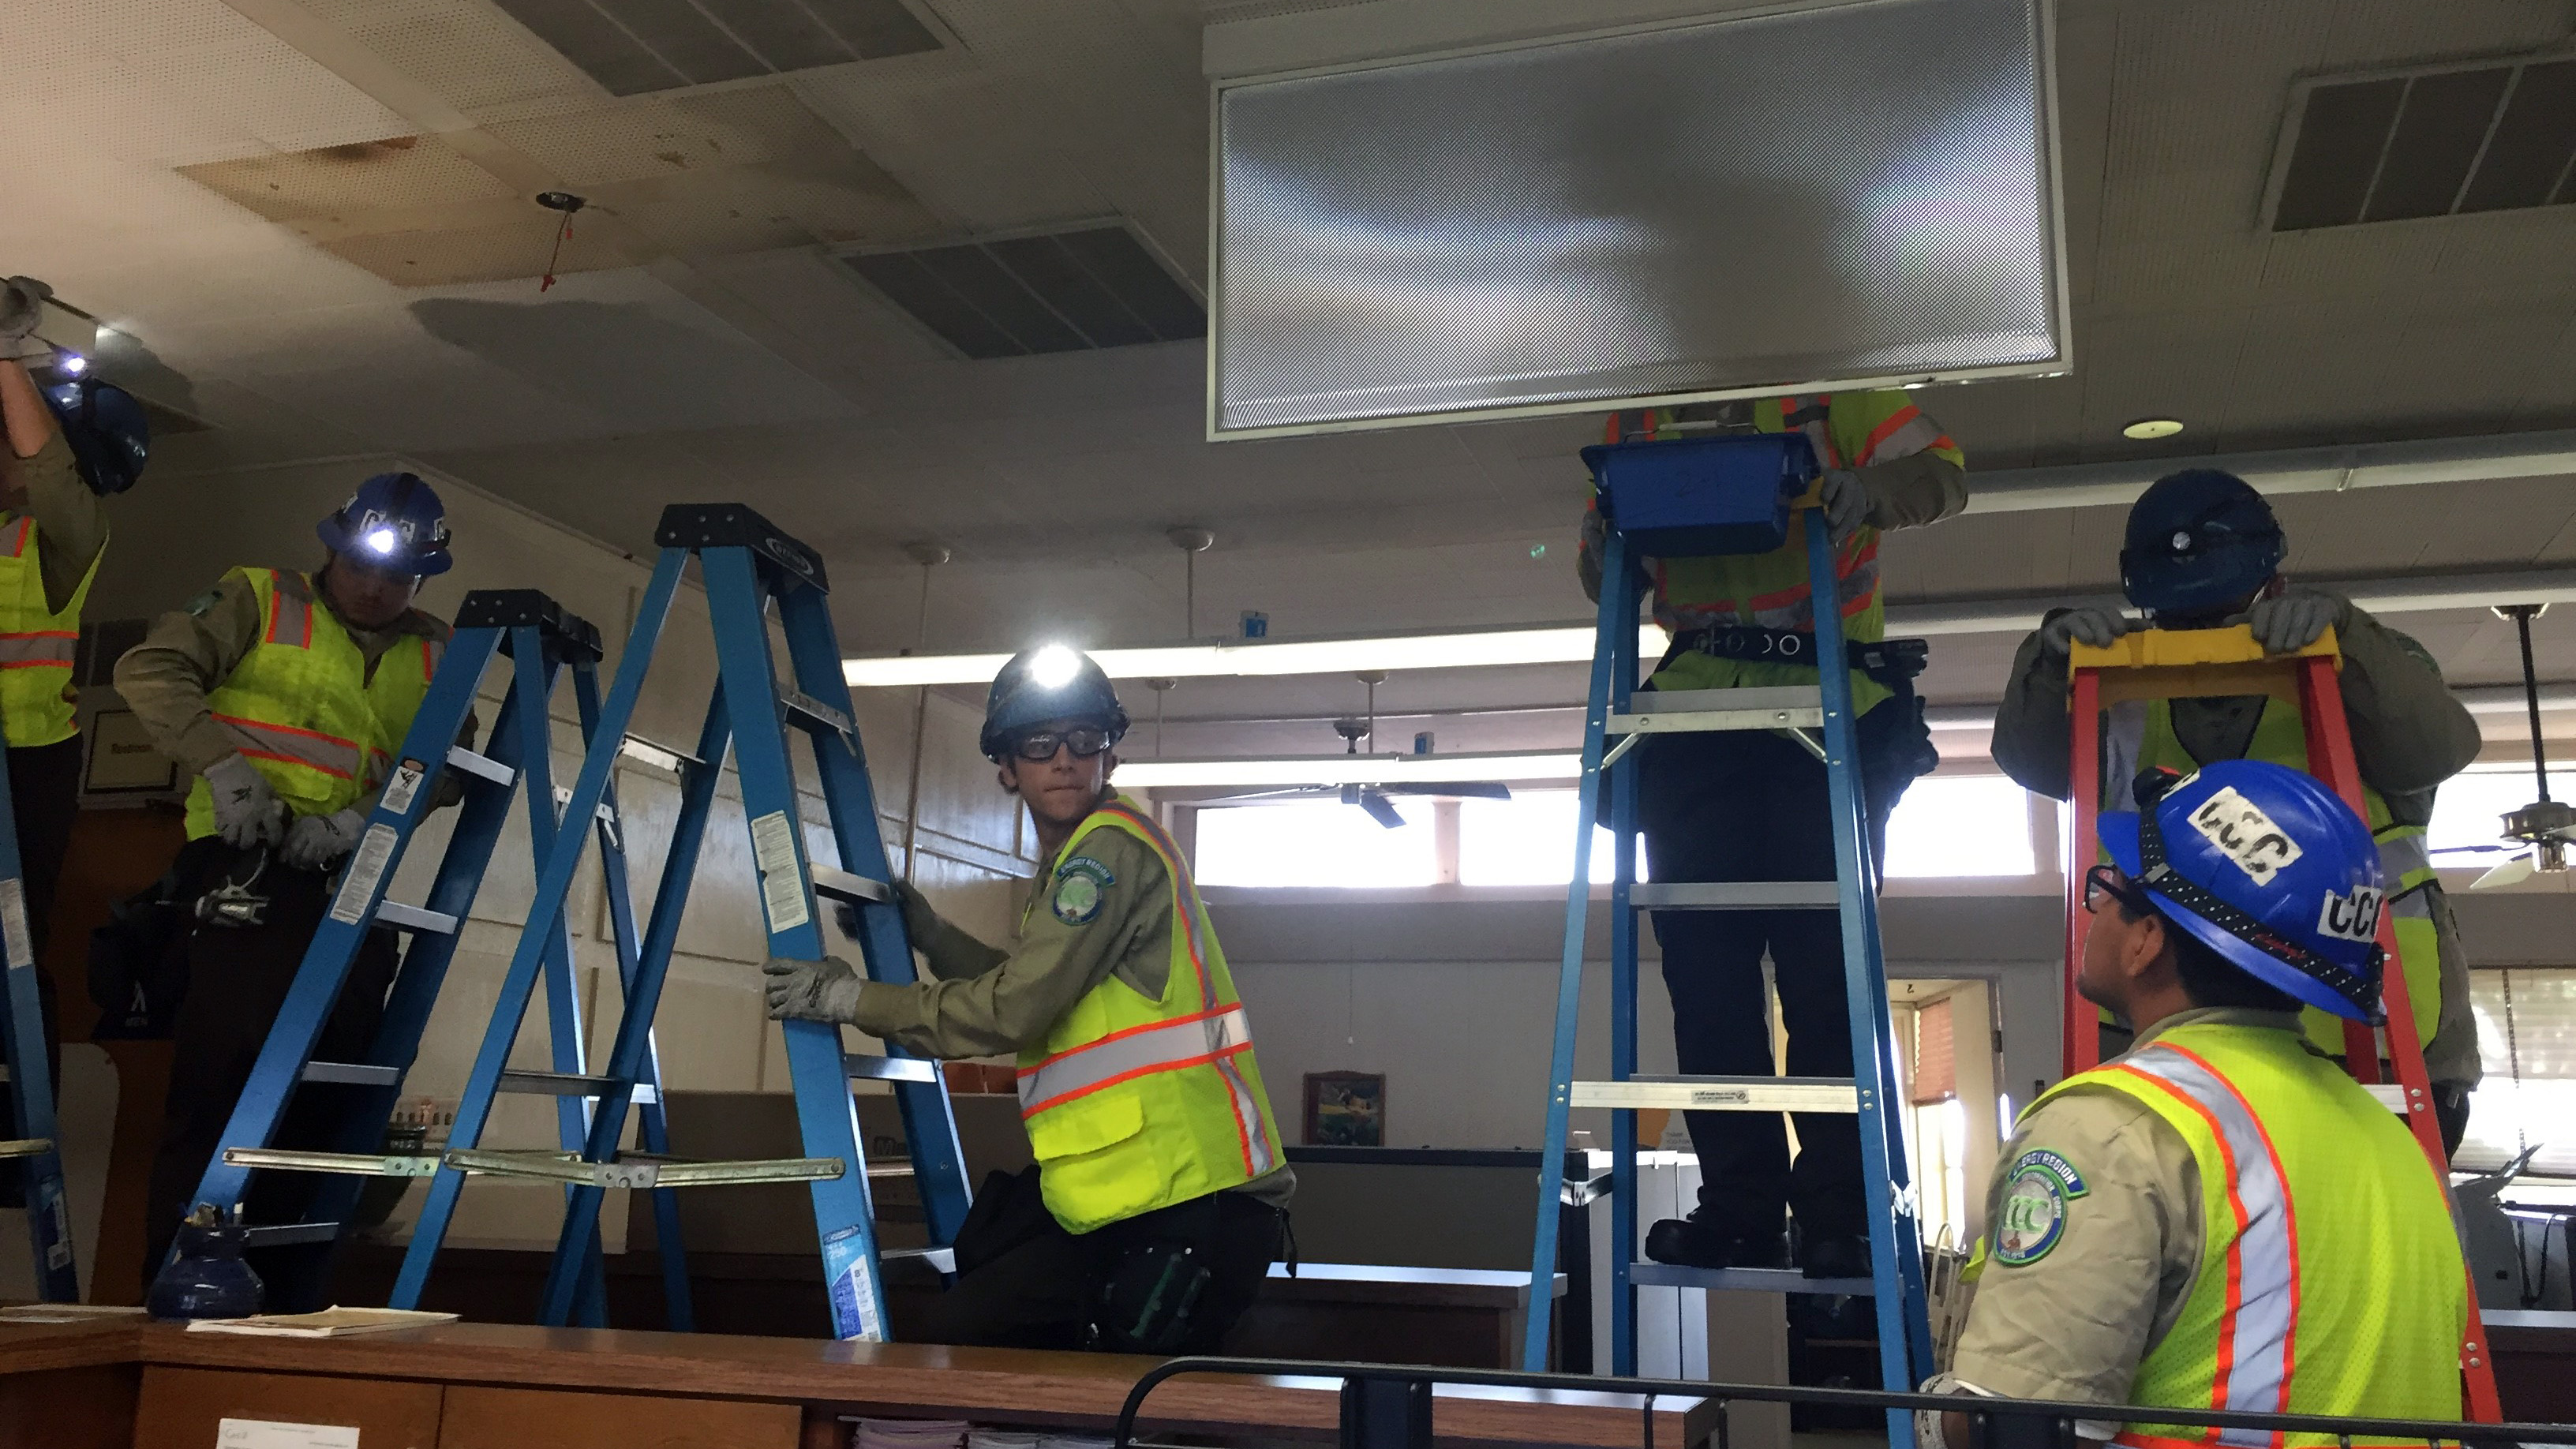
316, 842
2096, 628
22, 307
247, 811
1846, 502
825, 990
2293, 620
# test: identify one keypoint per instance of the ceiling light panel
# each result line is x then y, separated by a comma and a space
634, 46
1350, 770
1071, 291
1481, 649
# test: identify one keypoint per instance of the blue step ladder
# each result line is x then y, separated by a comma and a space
1694, 497
750, 569
31, 1131
543, 642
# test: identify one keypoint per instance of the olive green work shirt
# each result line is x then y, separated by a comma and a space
71, 521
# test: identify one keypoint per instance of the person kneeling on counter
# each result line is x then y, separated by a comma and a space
1159, 1198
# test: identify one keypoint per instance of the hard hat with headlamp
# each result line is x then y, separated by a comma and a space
106, 429
393, 522
2198, 542
2268, 868
1042, 685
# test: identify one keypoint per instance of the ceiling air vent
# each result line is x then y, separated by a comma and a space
2481, 137
634, 46
1070, 291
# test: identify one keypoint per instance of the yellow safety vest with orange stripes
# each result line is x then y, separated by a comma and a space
303, 708
1847, 430
2330, 1277
37, 645
1134, 1104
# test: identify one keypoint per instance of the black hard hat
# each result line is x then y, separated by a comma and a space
2198, 540
1051, 682
109, 436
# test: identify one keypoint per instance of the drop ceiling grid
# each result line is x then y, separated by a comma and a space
410, 398
657, 136
2507, 526
968, 144
469, 53
2469, 355
202, 80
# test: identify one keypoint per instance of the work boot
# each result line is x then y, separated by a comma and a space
1693, 1242
1846, 1257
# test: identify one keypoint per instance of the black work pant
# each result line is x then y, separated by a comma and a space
237, 980
1753, 806
1025, 1282
44, 794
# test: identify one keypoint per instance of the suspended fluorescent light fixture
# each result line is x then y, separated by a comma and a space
1351, 770
1555, 644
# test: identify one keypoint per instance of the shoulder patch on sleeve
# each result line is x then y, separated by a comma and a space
200, 604
2037, 1198
1080, 885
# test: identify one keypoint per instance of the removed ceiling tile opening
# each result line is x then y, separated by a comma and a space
1072, 291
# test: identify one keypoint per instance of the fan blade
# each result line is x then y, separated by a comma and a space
2511, 872
1292, 790
1380, 809
1470, 789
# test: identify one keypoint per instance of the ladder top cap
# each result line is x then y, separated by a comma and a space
2187, 648
529, 608
731, 525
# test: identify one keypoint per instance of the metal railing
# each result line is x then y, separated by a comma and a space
1388, 1406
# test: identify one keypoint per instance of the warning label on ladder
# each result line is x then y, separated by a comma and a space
366, 869
20, 941
782, 881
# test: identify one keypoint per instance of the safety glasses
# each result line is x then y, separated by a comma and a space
2106, 880
1084, 740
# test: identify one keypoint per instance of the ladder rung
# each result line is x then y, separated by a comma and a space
562, 1084
889, 1069
278, 1235
414, 918
476, 763
805, 709
558, 1167
943, 1259
26, 1146
1748, 1280
1722, 1094
843, 886
355, 1164
352, 1073
1703, 710
1756, 895
2392, 1096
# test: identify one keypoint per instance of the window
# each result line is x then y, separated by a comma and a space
2527, 1035
2468, 811
1961, 825
1527, 840
1316, 843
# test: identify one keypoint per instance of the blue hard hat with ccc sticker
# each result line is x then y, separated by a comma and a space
1048, 683
393, 522
2198, 540
2267, 867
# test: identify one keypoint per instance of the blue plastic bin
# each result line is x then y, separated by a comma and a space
1694, 496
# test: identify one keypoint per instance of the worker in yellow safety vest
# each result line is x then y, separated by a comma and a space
72, 442
1753, 806
1159, 1197
2204, 549
2219, 1219
287, 695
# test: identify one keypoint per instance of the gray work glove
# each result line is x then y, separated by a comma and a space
1846, 503
2096, 628
316, 842
825, 990
22, 307
2294, 620
247, 811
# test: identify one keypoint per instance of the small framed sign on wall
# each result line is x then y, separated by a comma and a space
122, 760
1346, 1109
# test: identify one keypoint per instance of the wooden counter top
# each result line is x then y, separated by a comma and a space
999, 1386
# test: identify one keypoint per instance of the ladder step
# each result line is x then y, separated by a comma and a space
26, 1146
943, 1259
352, 1073
843, 886
1722, 1094
1748, 1280
563, 1084
355, 1164
414, 918
1700, 711
806, 711
1821, 895
474, 762
561, 1167
889, 1069
278, 1235
2392, 1096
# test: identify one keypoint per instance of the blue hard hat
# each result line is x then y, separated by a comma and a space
2198, 540
109, 436
1051, 682
393, 522
2268, 868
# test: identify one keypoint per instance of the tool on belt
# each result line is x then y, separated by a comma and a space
1891, 662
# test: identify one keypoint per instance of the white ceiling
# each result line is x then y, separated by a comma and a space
684, 367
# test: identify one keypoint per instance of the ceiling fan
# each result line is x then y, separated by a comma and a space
1373, 798
2545, 826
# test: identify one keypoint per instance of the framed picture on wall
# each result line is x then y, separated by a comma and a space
1346, 1109
122, 760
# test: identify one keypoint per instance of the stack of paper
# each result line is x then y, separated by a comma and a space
66, 1312
329, 1323
909, 1434
1002, 1439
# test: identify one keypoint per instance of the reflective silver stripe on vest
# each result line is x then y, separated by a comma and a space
40, 648
1193, 1041
2401, 856
2263, 1261
297, 747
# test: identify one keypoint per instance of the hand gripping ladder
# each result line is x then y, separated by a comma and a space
542, 642
1708, 489
30, 1130
2158, 664
747, 566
